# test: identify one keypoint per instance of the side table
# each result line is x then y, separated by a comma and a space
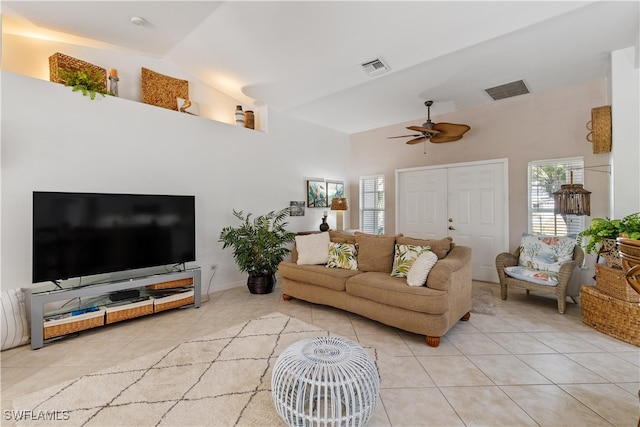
325, 381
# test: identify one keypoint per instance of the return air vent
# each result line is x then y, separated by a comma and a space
375, 67
507, 90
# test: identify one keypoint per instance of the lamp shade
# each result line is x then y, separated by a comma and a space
339, 204
572, 199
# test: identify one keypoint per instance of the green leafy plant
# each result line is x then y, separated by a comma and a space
87, 81
258, 244
605, 228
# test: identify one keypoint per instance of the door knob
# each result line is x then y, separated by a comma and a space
451, 227
450, 219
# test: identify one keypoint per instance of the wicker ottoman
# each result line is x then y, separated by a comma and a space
325, 381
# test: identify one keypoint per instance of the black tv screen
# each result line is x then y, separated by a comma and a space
80, 234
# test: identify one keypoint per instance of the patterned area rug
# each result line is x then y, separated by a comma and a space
223, 379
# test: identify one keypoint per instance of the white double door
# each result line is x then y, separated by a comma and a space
466, 201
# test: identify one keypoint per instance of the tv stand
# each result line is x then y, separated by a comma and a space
189, 278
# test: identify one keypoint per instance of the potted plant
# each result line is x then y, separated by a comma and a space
88, 82
603, 232
259, 246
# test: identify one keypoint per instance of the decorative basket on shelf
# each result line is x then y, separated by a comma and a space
163, 91
59, 61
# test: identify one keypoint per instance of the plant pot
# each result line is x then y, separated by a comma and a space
261, 284
609, 251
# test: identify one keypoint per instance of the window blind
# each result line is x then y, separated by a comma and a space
544, 178
372, 204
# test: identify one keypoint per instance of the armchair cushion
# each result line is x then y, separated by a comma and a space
547, 278
545, 253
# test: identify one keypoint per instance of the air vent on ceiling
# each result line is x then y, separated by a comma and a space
507, 90
375, 67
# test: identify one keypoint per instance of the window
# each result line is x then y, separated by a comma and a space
372, 204
546, 177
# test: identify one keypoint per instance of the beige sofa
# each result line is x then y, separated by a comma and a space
371, 291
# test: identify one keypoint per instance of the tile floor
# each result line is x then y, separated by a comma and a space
525, 366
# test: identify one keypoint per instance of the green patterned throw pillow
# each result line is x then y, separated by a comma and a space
405, 255
343, 255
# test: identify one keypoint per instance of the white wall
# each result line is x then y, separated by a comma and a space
57, 140
30, 57
625, 122
536, 126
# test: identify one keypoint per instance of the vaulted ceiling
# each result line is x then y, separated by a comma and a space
303, 58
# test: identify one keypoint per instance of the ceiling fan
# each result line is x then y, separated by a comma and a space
434, 132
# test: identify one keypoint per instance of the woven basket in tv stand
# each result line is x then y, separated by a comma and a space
39, 296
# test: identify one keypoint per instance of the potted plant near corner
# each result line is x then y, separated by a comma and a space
603, 232
259, 245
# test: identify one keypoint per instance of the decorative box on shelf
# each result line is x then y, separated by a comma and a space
70, 324
128, 311
612, 281
173, 300
609, 315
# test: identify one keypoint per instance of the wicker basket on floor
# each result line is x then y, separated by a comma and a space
613, 282
614, 317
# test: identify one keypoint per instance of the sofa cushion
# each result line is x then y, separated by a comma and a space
317, 275
545, 253
343, 255
342, 237
403, 258
440, 247
417, 275
393, 291
375, 252
312, 248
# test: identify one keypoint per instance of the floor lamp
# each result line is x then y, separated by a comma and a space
339, 204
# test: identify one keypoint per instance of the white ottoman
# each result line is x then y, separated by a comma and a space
325, 381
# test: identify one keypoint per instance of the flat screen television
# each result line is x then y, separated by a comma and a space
81, 234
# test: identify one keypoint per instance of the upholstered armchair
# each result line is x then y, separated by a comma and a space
542, 281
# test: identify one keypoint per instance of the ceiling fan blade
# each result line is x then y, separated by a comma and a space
440, 138
416, 140
451, 128
424, 130
404, 136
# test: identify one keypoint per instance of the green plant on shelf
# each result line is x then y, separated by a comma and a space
87, 81
606, 228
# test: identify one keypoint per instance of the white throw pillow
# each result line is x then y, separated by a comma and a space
15, 330
313, 248
405, 256
417, 275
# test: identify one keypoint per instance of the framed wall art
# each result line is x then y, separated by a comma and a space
296, 208
316, 194
334, 189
